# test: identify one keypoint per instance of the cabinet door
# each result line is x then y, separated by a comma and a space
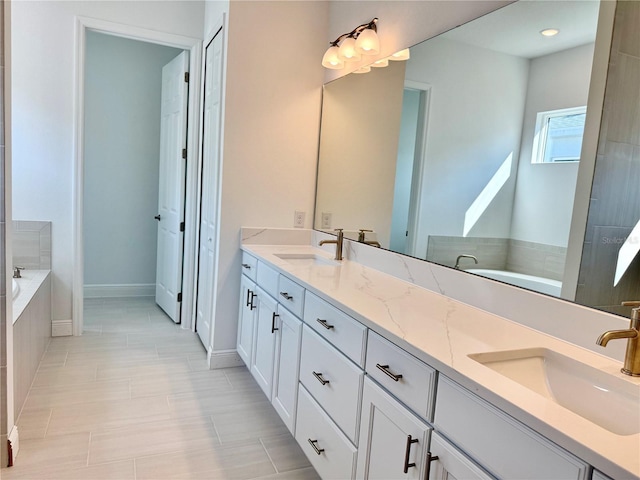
448, 463
246, 320
393, 441
264, 342
286, 368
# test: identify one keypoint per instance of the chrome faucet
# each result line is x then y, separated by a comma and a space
457, 267
632, 357
16, 272
338, 241
361, 238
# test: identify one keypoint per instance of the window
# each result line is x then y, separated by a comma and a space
558, 135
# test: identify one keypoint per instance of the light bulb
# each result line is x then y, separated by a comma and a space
331, 59
401, 55
365, 69
368, 42
549, 32
347, 51
381, 63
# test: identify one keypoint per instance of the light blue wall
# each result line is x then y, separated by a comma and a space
122, 140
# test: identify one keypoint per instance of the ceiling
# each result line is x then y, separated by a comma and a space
515, 29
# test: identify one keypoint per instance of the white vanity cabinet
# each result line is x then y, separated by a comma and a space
264, 344
446, 462
248, 308
393, 440
269, 337
247, 318
499, 443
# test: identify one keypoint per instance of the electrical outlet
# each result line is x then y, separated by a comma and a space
326, 220
298, 219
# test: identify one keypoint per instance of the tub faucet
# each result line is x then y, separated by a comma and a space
631, 364
457, 267
338, 241
362, 238
16, 272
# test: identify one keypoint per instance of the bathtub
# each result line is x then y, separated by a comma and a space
25, 288
15, 289
538, 284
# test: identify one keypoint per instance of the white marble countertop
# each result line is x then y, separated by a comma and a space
29, 285
443, 332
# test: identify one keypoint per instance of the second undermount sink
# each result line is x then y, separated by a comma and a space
603, 399
305, 259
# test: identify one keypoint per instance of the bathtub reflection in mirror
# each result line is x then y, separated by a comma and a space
473, 146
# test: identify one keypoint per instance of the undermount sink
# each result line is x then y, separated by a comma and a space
603, 399
305, 259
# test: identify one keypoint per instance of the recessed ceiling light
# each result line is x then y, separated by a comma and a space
549, 32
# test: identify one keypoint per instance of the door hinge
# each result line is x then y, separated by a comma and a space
184, 153
180, 297
182, 226
186, 77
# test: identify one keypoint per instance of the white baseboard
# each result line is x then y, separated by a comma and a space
224, 359
124, 290
61, 328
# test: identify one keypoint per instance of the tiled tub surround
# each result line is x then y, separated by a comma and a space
443, 332
32, 244
508, 254
31, 331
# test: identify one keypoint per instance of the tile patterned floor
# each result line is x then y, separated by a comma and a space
133, 399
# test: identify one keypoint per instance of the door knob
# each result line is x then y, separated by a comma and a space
157, 217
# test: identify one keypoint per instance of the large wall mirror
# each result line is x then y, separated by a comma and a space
469, 155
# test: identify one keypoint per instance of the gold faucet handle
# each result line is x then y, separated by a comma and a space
635, 303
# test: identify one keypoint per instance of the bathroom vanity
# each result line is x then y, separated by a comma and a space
377, 377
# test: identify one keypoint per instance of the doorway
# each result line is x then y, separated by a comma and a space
130, 126
129, 174
410, 168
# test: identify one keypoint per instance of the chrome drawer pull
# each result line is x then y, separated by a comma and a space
407, 452
247, 266
286, 295
273, 322
320, 378
324, 323
427, 468
385, 370
313, 444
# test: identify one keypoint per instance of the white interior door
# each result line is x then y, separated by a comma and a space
173, 140
209, 203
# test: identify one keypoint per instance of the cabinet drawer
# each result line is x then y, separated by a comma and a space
335, 456
267, 279
333, 380
249, 265
346, 334
416, 385
501, 444
291, 295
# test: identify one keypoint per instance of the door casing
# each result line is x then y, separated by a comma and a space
194, 46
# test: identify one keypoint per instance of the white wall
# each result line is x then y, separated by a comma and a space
544, 192
359, 140
474, 127
273, 85
42, 71
123, 83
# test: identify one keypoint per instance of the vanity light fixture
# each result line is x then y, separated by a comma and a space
402, 55
383, 62
549, 32
362, 40
365, 69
